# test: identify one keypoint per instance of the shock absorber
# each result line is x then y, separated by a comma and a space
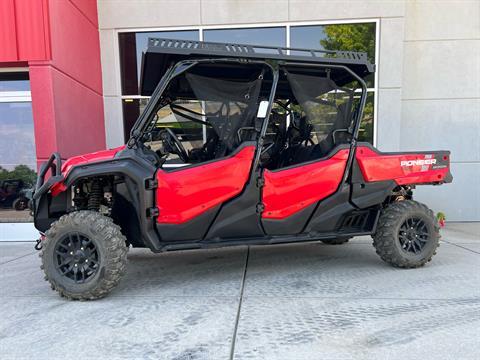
95, 196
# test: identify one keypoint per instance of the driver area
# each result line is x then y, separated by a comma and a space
204, 115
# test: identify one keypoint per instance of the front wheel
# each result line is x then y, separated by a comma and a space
84, 255
407, 234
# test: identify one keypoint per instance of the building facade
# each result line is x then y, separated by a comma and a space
79, 63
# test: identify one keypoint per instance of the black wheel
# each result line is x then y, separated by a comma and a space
84, 255
20, 204
407, 234
337, 241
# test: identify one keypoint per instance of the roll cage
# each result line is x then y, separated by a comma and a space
274, 67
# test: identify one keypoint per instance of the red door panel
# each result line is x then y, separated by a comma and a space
291, 190
404, 169
184, 194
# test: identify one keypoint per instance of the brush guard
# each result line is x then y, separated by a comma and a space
54, 164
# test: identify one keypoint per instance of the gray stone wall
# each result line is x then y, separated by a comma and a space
441, 98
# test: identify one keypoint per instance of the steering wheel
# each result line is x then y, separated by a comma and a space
173, 144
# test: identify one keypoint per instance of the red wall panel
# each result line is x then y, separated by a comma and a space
75, 44
43, 107
68, 116
32, 34
8, 35
79, 112
59, 39
24, 32
89, 8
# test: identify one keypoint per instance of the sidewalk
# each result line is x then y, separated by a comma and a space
300, 301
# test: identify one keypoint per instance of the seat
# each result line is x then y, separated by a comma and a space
299, 141
342, 121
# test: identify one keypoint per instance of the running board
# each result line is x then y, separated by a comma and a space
208, 244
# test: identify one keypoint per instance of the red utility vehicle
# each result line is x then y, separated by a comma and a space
238, 145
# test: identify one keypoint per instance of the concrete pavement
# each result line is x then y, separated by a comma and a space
296, 301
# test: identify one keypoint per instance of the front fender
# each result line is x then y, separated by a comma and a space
134, 172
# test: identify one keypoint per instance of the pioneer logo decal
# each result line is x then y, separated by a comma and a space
418, 162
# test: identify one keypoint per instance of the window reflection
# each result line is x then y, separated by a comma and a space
348, 37
131, 47
17, 160
270, 36
14, 81
365, 132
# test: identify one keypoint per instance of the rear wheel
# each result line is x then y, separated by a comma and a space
337, 241
407, 234
20, 204
84, 255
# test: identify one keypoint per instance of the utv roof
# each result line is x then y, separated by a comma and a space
161, 53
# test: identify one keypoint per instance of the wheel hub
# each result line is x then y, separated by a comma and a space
413, 235
79, 256
76, 257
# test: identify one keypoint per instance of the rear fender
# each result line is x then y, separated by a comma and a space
404, 168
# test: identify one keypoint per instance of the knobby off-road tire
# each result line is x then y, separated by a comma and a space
407, 234
84, 255
337, 241
19, 204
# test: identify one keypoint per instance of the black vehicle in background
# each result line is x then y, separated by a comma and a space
14, 194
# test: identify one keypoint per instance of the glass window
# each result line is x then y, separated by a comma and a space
268, 36
132, 45
131, 110
17, 160
353, 37
365, 132
349, 37
14, 81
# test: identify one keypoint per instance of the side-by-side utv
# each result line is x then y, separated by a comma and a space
238, 145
